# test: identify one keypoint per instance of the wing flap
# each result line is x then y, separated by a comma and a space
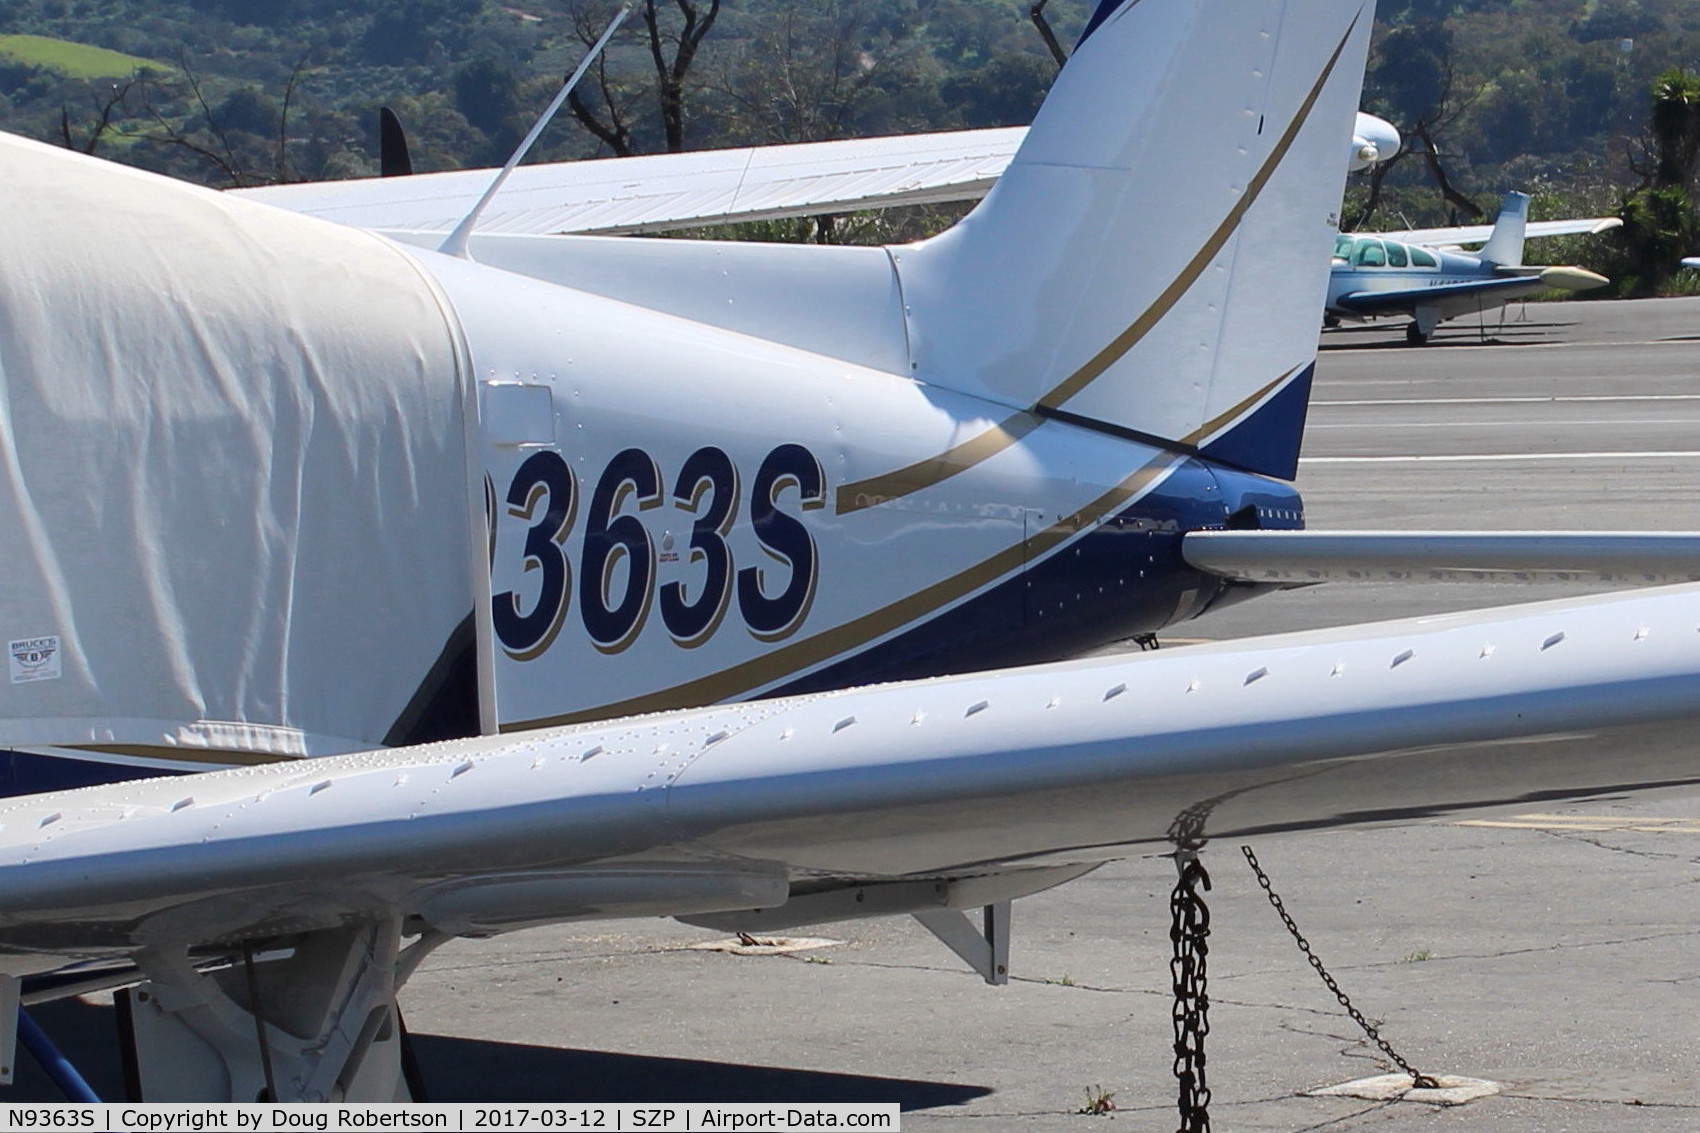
1304, 557
1047, 766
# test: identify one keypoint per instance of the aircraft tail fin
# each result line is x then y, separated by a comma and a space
1505, 246
393, 157
1154, 260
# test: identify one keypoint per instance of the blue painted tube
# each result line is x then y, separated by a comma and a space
58, 1067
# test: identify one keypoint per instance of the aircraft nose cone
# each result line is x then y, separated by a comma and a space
1572, 278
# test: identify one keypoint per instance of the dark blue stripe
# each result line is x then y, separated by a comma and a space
1123, 578
1105, 10
1267, 443
24, 774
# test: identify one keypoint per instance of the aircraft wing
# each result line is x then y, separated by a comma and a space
1503, 288
662, 192
671, 191
1478, 233
952, 781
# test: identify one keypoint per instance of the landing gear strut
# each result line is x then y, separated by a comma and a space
310, 1019
1422, 326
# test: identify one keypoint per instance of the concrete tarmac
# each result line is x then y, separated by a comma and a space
1556, 953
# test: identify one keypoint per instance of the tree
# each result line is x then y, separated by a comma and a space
487, 94
1414, 77
1659, 219
671, 36
103, 123
404, 32
1005, 90
1036, 13
823, 72
1676, 129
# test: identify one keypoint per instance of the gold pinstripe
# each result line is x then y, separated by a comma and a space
184, 754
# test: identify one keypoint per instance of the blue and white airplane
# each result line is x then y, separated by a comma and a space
608, 577
1425, 273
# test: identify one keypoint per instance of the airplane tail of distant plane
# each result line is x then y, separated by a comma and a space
1505, 246
1154, 259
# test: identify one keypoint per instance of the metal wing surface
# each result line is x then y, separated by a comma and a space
671, 191
738, 807
1478, 233
1500, 289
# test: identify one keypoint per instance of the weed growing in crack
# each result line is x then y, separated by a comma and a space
1099, 1101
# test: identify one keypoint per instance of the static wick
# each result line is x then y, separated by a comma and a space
458, 240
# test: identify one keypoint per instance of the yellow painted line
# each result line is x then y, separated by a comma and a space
1588, 823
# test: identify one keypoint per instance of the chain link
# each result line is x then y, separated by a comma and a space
1189, 932
1418, 1081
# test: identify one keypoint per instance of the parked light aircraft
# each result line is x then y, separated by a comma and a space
279, 487
1426, 275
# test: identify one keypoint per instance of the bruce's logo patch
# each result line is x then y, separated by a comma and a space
34, 659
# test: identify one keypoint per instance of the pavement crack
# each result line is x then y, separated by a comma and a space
1623, 1103
1375, 1107
1600, 844
1502, 954
1071, 984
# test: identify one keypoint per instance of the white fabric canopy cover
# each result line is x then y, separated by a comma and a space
234, 512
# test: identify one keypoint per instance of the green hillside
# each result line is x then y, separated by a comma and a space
73, 60
1547, 96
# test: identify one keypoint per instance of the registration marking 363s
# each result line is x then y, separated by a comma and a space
615, 576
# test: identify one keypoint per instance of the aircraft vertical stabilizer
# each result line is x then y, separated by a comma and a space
1505, 246
1155, 256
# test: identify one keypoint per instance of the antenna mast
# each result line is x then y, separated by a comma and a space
458, 240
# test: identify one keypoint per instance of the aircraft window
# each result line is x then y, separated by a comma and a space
1395, 255
1422, 259
1371, 255
1342, 247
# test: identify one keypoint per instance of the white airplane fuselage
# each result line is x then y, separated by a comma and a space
677, 514
730, 528
289, 488
1398, 266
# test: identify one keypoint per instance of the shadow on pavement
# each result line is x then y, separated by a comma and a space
472, 1070
467, 1070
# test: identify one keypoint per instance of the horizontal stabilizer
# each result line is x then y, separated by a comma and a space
1302, 557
